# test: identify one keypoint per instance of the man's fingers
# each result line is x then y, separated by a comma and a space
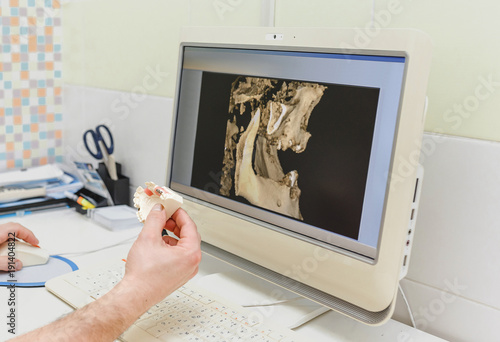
27, 235
20, 231
180, 224
155, 222
171, 225
4, 264
188, 232
170, 240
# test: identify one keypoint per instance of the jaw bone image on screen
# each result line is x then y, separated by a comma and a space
280, 112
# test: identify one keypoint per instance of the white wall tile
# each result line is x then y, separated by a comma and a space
450, 317
141, 126
458, 228
455, 267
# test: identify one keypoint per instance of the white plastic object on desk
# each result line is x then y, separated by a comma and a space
12, 194
31, 175
28, 254
118, 217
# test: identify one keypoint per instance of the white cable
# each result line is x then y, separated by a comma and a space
309, 317
408, 306
302, 320
97, 249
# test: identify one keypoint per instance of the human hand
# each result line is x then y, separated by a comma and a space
11, 229
157, 266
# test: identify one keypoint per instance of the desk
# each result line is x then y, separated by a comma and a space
65, 231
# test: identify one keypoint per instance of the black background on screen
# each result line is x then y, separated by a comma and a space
333, 168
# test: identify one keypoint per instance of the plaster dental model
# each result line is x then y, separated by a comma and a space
145, 199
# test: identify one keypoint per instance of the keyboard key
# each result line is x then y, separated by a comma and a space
202, 298
149, 322
189, 314
158, 330
276, 336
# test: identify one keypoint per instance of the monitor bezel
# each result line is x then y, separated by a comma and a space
339, 243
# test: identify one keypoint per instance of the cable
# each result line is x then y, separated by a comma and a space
98, 249
302, 320
408, 306
309, 317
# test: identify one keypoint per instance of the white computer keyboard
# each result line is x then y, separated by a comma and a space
189, 314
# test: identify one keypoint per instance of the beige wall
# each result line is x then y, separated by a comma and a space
466, 52
115, 43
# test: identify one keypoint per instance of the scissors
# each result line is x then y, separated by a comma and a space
102, 149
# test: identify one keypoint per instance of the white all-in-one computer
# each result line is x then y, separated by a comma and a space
296, 150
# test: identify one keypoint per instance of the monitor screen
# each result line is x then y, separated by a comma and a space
295, 154
301, 140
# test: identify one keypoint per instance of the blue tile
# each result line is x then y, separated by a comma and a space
27, 145
41, 84
18, 163
34, 118
25, 102
41, 100
51, 151
58, 117
2, 156
7, 85
26, 128
43, 135
9, 129
31, 3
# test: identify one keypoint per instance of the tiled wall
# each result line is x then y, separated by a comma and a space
30, 83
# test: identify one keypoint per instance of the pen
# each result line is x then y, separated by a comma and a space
80, 200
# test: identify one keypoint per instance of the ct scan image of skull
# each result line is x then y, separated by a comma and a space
268, 116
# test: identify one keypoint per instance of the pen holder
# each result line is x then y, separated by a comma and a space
118, 189
100, 201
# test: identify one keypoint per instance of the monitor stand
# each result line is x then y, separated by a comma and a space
322, 298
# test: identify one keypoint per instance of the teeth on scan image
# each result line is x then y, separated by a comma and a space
146, 198
278, 114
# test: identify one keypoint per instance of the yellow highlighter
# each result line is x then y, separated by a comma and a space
80, 200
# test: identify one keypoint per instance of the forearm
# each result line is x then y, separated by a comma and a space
103, 320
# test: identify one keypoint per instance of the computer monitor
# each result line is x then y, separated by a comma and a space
296, 150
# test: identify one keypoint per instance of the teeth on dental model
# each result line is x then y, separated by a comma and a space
145, 199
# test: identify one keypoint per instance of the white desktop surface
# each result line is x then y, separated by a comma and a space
64, 230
